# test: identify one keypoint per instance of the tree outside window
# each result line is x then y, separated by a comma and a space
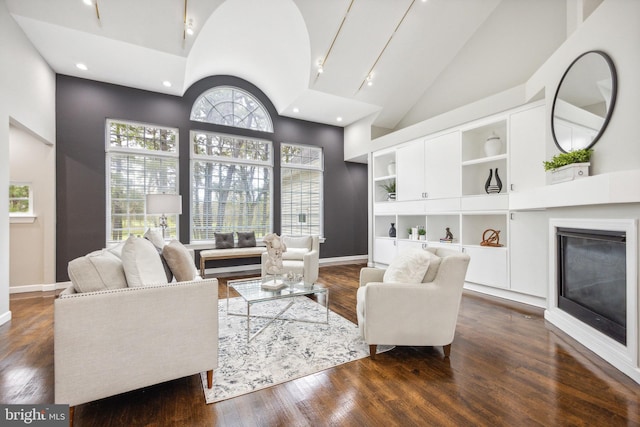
20, 199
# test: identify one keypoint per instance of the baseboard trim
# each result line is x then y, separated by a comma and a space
507, 294
38, 288
5, 317
324, 262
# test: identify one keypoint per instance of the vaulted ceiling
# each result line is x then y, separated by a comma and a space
406, 46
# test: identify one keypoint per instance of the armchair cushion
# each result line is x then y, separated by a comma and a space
154, 237
303, 242
408, 267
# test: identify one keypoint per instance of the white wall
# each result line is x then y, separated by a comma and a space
615, 29
510, 45
32, 244
27, 85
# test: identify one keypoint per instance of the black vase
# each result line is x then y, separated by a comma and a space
493, 188
392, 230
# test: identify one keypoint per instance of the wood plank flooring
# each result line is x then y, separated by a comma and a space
507, 368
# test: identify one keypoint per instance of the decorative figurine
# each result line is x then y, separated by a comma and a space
491, 237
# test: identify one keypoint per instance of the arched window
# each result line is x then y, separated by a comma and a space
230, 106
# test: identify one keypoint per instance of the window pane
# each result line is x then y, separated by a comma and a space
134, 175
301, 190
20, 199
230, 106
225, 147
228, 197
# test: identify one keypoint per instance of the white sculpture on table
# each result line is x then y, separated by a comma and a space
275, 249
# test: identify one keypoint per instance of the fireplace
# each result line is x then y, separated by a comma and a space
592, 278
593, 287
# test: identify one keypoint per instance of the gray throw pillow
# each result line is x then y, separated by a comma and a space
223, 240
246, 240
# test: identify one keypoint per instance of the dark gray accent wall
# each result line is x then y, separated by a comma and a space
82, 108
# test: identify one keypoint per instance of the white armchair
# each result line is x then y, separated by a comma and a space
302, 256
419, 314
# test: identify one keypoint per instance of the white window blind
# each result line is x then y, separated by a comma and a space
301, 189
231, 185
141, 159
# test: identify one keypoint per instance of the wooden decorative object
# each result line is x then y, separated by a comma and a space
491, 237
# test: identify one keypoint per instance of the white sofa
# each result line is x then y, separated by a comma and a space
302, 256
413, 314
111, 336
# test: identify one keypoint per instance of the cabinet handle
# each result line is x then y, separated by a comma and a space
426, 195
511, 215
511, 187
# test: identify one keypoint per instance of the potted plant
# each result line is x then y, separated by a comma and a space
390, 188
569, 166
422, 233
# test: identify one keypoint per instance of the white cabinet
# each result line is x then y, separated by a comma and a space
430, 168
528, 247
527, 148
384, 250
410, 171
488, 266
442, 168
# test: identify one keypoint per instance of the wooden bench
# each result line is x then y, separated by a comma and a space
231, 253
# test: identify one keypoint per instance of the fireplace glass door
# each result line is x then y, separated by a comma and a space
592, 279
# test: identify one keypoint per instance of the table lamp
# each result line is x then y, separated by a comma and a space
164, 204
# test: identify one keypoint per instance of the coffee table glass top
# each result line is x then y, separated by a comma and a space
252, 291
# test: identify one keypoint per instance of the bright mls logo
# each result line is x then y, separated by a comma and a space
34, 415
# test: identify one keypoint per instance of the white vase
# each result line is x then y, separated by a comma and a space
391, 168
493, 145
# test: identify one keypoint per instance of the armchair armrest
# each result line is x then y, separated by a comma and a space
370, 274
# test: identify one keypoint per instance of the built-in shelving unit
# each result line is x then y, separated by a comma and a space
476, 164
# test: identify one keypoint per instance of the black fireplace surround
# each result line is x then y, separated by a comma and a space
592, 279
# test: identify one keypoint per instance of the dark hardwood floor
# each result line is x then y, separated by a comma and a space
507, 368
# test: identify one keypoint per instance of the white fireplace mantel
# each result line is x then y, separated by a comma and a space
614, 187
624, 357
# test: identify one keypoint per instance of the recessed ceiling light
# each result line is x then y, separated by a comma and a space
81, 66
296, 110
339, 119
88, 2
166, 83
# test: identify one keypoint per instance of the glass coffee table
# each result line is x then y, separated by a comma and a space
253, 292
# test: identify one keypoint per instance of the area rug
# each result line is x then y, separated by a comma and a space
284, 351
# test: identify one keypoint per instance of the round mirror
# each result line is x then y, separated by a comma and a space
584, 101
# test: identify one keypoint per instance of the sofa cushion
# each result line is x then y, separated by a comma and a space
117, 249
223, 240
97, 271
246, 240
155, 237
180, 261
141, 262
409, 266
302, 242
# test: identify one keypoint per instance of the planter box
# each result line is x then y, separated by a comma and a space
570, 172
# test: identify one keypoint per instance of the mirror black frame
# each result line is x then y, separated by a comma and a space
614, 91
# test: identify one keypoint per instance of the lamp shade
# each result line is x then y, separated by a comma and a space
164, 204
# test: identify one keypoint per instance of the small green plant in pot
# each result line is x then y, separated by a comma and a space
422, 233
390, 188
563, 159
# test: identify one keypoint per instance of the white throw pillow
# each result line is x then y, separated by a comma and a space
142, 263
155, 237
408, 267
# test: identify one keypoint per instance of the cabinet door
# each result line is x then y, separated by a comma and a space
528, 247
527, 148
488, 266
410, 171
384, 250
442, 166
